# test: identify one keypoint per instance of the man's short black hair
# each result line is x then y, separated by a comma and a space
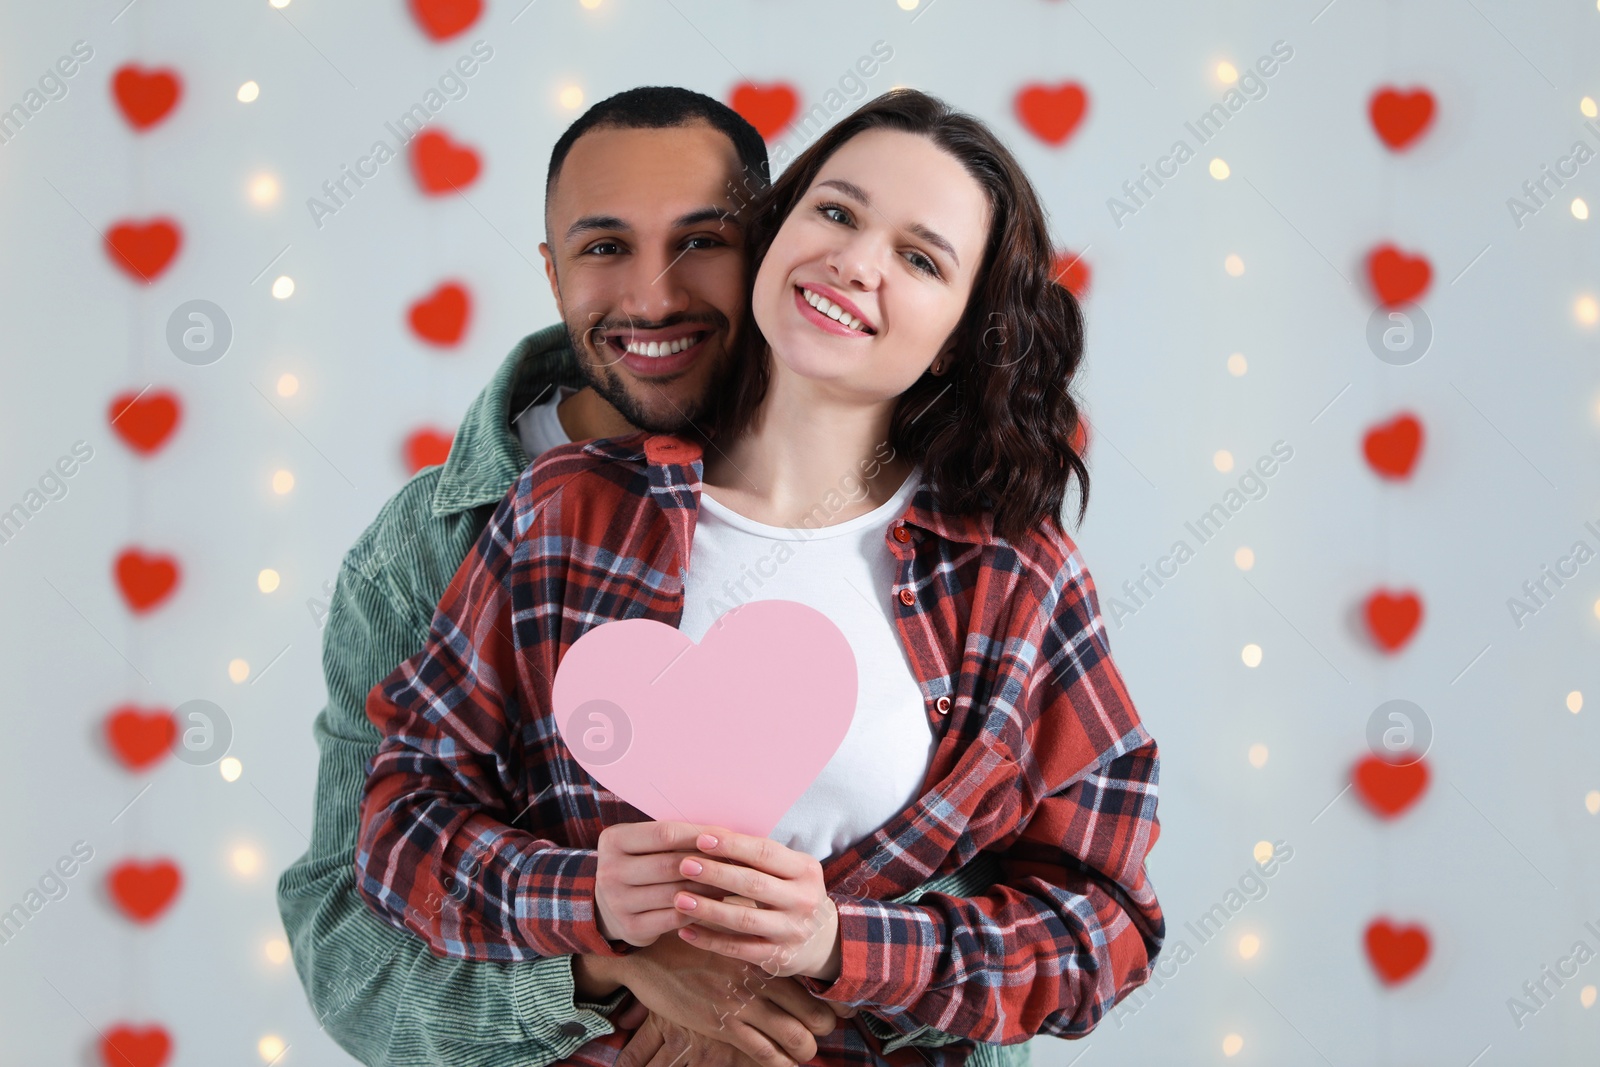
656, 107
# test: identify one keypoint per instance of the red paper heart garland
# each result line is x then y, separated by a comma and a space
441, 316
1392, 447
1052, 113
145, 420
441, 19
142, 891
427, 448
1397, 953
766, 107
140, 739
441, 165
1393, 618
1071, 270
127, 1046
1401, 118
144, 250
1388, 789
1398, 278
145, 96
146, 581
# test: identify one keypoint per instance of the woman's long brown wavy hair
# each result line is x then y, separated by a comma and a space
994, 433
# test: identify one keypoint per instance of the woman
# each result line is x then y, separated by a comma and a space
909, 342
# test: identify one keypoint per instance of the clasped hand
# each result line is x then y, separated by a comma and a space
653, 878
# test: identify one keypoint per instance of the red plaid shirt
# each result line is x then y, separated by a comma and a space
478, 828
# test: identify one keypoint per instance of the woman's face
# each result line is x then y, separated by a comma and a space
890, 232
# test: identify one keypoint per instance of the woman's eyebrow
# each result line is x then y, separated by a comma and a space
855, 192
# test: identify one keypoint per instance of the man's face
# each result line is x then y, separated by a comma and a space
646, 261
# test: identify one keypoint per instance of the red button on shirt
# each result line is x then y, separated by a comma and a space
907, 597
943, 705
902, 534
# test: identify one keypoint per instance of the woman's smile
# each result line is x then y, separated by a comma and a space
830, 315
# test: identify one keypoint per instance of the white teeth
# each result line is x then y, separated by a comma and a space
832, 310
657, 349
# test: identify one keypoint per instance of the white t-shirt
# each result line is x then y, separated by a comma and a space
539, 428
845, 571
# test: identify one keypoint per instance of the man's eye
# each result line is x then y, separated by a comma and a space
604, 248
702, 243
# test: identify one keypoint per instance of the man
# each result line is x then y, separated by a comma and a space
644, 255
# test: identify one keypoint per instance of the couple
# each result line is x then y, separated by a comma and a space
968, 870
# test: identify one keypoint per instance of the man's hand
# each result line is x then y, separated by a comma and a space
771, 1021
659, 1043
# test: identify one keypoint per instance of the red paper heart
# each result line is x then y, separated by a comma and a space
766, 107
140, 738
1393, 619
1397, 277
1400, 118
441, 165
1071, 270
1052, 112
144, 250
427, 448
144, 890
144, 422
1396, 952
1389, 788
145, 580
445, 18
145, 96
441, 316
125, 1046
1393, 447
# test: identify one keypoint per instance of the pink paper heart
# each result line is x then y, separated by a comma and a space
729, 732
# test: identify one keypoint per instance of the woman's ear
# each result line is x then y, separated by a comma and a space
941, 362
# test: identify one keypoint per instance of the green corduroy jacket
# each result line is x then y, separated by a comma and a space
378, 991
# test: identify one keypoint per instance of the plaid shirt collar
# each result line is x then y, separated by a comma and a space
678, 461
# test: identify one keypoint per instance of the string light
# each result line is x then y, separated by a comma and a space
282, 482
271, 1046
1592, 802
264, 190
1575, 701
288, 385
1227, 73
1223, 460
1258, 756
1586, 310
1251, 654
276, 949
1580, 210
248, 92
1249, 945
572, 98
590, 4
238, 670
1232, 1044
1233, 265
1237, 365
1244, 558
1586, 996
1587, 106
1219, 169
245, 860
1262, 852
230, 768
283, 287
908, 5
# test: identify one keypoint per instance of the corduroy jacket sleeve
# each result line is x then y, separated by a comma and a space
1073, 922
377, 990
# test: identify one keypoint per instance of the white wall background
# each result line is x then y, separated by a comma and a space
1498, 860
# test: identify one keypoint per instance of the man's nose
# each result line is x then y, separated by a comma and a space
654, 288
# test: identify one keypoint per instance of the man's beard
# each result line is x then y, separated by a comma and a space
599, 375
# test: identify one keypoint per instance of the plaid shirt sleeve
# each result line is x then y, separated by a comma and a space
1073, 923
437, 852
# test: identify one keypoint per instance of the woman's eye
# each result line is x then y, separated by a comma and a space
835, 213
922, 263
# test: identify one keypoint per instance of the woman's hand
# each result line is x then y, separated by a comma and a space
636, 876
794, 927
